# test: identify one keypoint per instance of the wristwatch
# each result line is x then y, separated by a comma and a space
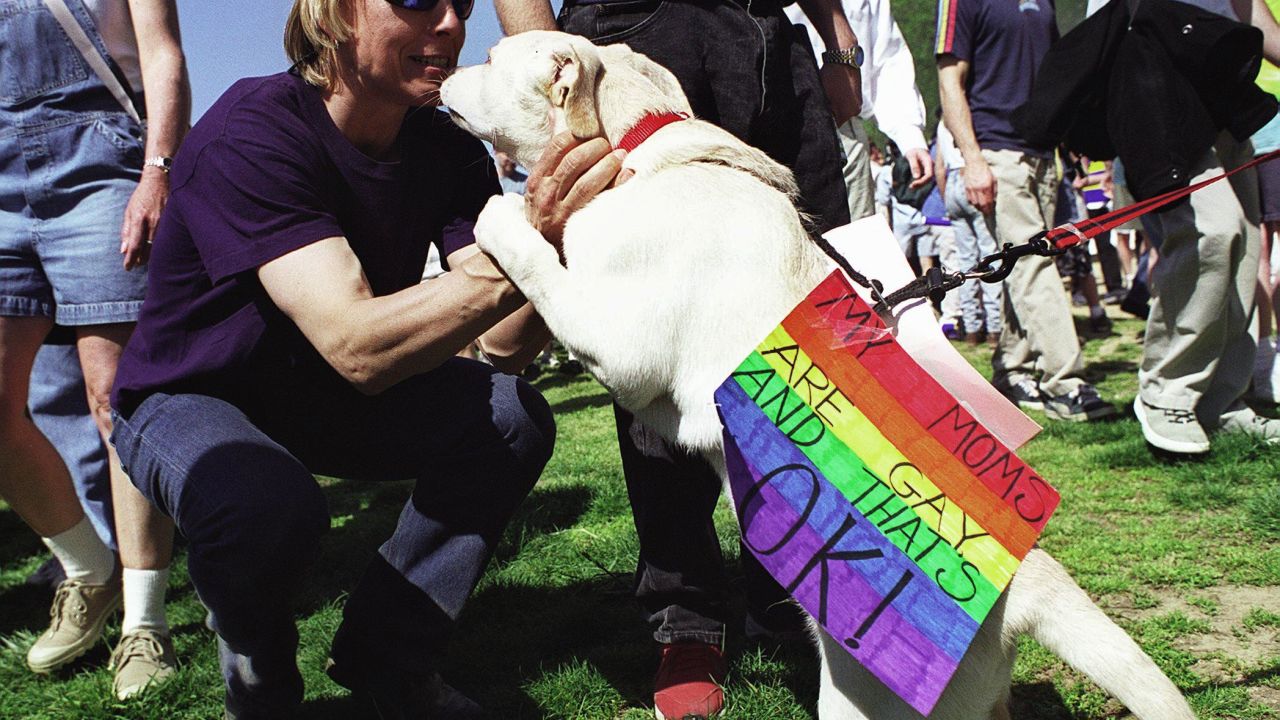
164, 162
851, 57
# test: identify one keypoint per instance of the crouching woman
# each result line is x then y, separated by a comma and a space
285, 333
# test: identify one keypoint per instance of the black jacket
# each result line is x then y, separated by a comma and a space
1155, 91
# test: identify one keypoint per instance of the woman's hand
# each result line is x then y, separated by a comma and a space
569, 175
141, 217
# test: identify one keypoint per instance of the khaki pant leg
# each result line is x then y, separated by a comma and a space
1198, 352
857, 169
1039, 339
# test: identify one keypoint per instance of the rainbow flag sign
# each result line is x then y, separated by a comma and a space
870, 493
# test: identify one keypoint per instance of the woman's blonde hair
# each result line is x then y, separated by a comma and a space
311, 38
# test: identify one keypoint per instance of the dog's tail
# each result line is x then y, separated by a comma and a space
1047, 604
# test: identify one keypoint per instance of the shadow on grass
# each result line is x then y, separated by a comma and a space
580, 403
1040, 701
17, 541
365, 516
26, 607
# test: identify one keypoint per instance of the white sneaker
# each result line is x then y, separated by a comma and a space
1242, 419
1170, 429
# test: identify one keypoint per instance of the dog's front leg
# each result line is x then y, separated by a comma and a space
524, 255
534, 266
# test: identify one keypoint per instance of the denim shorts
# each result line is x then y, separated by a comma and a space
70, 159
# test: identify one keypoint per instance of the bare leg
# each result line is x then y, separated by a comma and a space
1266, 286
1122, 239
145, 535
33, 478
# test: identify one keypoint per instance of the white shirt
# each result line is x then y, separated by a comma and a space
951, 157
889, 91
115, 25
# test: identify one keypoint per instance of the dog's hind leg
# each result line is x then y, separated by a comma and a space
1046, 603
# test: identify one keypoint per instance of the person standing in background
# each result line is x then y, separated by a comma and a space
889, 94
988, 52
84, 183
744, 67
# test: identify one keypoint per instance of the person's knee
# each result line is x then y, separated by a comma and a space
525, 420
265, 509
99, 399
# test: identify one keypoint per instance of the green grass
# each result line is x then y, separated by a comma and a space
1185, 556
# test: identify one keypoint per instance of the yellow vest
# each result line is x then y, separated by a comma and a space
1269, 75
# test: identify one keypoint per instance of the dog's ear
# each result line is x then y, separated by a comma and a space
573, 89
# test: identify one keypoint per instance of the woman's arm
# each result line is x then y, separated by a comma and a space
168, 98
375, 342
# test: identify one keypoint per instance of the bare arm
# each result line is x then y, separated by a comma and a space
517, 16
979, 185
375, 342
515, 340
168, 98
843, 84
940, 174
1258, 14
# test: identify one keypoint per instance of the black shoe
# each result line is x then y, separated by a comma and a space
428, 698
1113, 297
1078, 405
1138, 301
1100, 324
531, 371
1024, 394
571, 367
48, 576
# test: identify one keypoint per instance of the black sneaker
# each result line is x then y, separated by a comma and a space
1100, 324
1078, 405
1024, 394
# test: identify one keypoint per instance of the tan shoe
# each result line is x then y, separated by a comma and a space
80, 610
143, 658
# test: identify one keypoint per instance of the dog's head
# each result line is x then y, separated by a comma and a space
539, 83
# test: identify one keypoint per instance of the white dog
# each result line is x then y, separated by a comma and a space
672, 278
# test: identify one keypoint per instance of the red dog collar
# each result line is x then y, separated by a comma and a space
648, 125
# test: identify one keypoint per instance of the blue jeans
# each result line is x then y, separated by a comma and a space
241, 490
979, 301
753, 73
60, 408
70, 159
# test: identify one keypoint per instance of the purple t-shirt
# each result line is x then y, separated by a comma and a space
263, 173
1003, 41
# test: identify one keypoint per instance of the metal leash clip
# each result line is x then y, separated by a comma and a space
1009, 255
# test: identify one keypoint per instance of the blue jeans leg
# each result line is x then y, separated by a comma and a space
680, 578
974, 240
60, 408
241, 490
252, 515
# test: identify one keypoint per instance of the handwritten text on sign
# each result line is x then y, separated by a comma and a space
871, 494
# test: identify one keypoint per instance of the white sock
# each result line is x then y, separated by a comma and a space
144, 600
82, 553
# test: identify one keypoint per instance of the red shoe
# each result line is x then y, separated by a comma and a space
689, 682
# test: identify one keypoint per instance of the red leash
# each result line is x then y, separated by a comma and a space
936, 282
1068, 234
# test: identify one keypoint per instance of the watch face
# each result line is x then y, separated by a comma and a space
857, 55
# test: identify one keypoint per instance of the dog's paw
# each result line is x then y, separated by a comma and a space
501, 223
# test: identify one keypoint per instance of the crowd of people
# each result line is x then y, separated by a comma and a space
263, 277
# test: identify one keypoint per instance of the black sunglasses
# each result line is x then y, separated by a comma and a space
461, 7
